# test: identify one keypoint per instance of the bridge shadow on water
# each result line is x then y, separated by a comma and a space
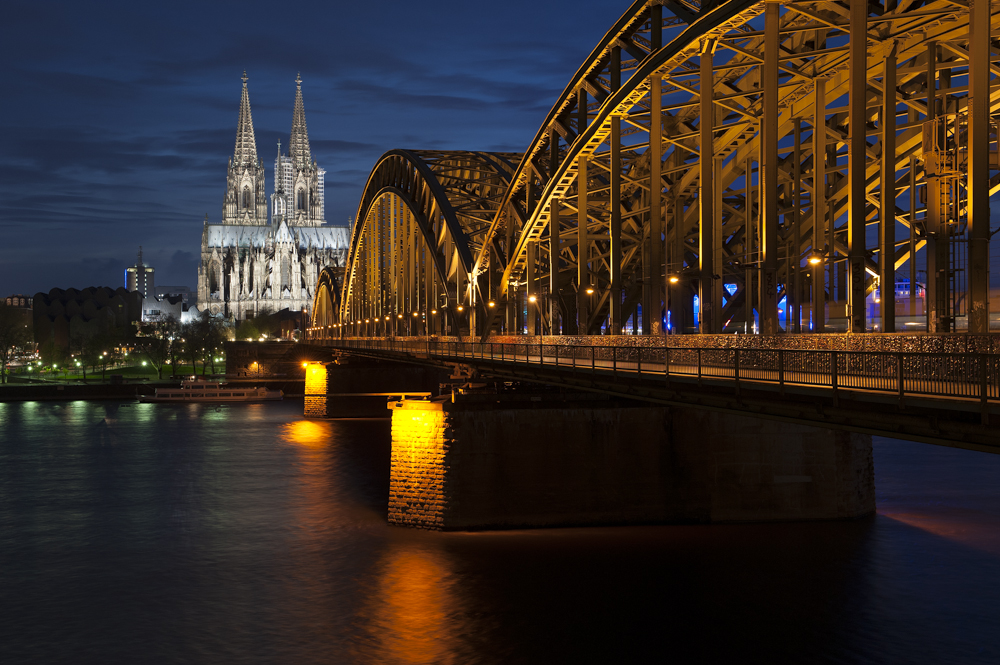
177, 534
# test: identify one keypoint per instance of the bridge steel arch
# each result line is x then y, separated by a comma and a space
422, 218
803, 153
326, 303
778, 137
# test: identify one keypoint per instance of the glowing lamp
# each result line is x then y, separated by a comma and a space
491, 304
674, 279
461, 308
815, 259
532, 299
590, 291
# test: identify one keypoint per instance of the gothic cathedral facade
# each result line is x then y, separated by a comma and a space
250, 265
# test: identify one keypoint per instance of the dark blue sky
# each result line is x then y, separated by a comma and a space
117, 119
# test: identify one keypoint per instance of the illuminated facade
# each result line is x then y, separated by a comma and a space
140, 277
250, 265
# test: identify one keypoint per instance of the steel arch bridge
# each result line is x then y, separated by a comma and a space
803, 154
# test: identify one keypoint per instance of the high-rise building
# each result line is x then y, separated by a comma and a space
139, 277
251, 265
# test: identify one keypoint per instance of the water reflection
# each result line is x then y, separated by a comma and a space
309, 433
414, 613
250, 534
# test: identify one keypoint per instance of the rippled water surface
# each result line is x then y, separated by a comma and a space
246, 534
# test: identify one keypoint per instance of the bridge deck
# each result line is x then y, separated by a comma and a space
917, 395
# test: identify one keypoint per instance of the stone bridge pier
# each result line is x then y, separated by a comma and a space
531, 456
478, 462
354, 387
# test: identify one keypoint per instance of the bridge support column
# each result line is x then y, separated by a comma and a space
483, 464
978, 181
857, 164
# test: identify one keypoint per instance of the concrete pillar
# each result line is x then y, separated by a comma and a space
488, 464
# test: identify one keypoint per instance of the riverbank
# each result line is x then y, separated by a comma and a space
26, 392
48, 391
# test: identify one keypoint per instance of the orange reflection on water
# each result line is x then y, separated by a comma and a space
413, 614
310, 433
968, 527
316, 508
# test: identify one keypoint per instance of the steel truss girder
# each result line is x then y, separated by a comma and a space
813, 43
630, 231
421, 219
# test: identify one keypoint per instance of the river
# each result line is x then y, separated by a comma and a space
151, 533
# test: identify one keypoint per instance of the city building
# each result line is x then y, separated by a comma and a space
252, 265
168, 302
139, 277
62, 316
183, 291
21, 304
156, 310
18, 300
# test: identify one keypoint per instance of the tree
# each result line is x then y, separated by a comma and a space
101, 347
156, 349
253, 327
52, 353
202, 339
15, 336
86, 352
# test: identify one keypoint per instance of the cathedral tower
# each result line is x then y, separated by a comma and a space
299, 183
246, 201
249, 267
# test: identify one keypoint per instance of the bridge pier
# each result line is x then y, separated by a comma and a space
359, 388
484, 462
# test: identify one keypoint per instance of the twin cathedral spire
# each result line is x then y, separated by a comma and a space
298, 197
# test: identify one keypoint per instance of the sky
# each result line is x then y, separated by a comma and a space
117, 120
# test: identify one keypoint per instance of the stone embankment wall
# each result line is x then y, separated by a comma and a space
466, 467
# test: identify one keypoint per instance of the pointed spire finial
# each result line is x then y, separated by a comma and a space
298, 79
246, 144
298, 146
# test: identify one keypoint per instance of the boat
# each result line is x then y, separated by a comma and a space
201, 390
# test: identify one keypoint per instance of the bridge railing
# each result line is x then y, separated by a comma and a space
959, 375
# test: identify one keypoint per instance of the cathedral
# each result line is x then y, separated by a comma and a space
249, 265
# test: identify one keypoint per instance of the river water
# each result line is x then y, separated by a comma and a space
148, 533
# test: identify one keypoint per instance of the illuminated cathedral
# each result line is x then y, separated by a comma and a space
251, 265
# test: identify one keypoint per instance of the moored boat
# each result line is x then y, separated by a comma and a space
197, 390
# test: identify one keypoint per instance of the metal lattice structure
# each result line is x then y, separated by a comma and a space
420, 224
808, 153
